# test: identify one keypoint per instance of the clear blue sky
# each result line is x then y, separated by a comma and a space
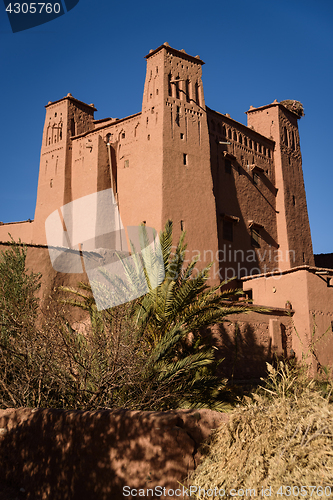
255, 52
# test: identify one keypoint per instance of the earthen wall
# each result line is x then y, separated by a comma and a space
71, 455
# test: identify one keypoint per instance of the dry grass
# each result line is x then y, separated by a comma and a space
281, 437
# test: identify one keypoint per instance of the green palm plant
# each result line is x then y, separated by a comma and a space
179, 367
183, 298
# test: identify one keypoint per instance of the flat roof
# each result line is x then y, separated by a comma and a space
71, 98
179, 53
273, 104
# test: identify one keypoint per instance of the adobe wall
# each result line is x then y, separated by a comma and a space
76, 455
246, 192
278, 291
321, 316
247, 341
306, 293
136, 168
18, 230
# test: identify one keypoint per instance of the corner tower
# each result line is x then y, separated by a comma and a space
280, 124
64, 119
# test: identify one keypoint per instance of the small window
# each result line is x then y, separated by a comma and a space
177, 89
123, 135
245, 141
240, 139
187, 90
268, 153
169, 85
182, 136
73, 127
182, 225
229, 133
196, 91
255, 178
255, 237
177, 120
185, 160
250, 143
227, 166
255, 146
235, 135
259, 148
108, 138
285, 136
294, 200
126, 163
228, 230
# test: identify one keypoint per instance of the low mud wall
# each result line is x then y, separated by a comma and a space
99, 455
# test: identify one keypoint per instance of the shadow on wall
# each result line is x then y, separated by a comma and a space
76, 455
246, 348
